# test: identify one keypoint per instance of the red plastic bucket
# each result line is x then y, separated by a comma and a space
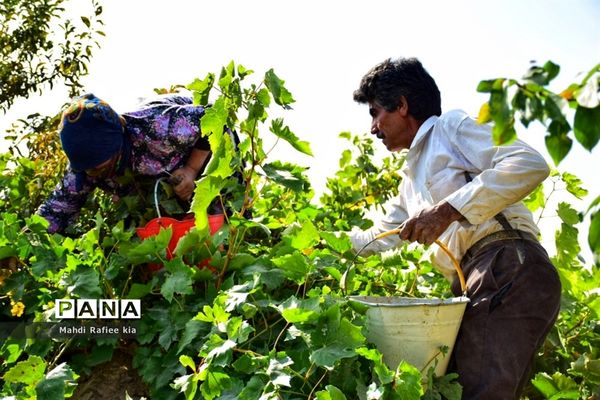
180, 228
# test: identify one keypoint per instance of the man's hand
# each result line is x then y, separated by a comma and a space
429, 224
185, 178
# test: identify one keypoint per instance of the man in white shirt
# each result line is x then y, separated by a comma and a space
459, 188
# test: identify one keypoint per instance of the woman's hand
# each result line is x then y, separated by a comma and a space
185, 182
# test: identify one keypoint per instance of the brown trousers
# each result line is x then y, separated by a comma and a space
512, 309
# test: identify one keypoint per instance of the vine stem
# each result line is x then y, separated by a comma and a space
279, 336
60, 353
310, 395
546, 201
577, 325
307, 374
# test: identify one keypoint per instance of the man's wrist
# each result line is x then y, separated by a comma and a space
452, 213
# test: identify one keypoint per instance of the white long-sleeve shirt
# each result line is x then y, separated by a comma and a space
443, 148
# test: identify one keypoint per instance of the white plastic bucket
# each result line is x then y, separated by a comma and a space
413, 329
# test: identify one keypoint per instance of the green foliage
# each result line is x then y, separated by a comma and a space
567, 365
264, 316
34, 54
530, 100
360, 184
28, 380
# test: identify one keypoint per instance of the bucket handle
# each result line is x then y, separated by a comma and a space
459, 272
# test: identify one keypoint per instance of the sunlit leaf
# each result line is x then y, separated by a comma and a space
300, 311
587, 126
215, 383
408, 382
186, 384
558, 143
543, 383
278, 370
594, 233
484, 114
330, 393
28, 372
587, 367
276, 86
284, 132
201, 89
207, 188
303, 237
226, 76
567, 244
567, 214
338, 242
294, 266
215, 117
574, 185
489, 85
536, 199
286, 174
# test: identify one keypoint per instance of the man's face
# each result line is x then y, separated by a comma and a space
392, 127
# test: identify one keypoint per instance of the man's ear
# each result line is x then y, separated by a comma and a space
403, 106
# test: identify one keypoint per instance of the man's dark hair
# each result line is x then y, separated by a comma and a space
388, 81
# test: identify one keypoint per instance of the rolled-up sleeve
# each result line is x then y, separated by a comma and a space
503, 175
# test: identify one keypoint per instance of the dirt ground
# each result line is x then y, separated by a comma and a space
111, 380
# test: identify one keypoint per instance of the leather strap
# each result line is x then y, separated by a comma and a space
507, 227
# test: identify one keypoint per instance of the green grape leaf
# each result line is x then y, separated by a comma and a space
284, 132
594, 233
207, 188
84, 282
178, 281
288, 175
568, 214
558, 143
300, 311
574, 185
536, 199
587, 126
330, 393
201, 89
294, 266
58, 384
29, 372
276, 86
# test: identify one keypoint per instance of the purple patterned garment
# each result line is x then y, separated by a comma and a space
162, 134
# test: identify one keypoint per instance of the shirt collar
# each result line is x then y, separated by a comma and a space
413, 151
424, 129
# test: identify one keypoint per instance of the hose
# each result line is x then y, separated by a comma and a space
173, 180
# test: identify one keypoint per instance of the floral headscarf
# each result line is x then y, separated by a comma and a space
91, 132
